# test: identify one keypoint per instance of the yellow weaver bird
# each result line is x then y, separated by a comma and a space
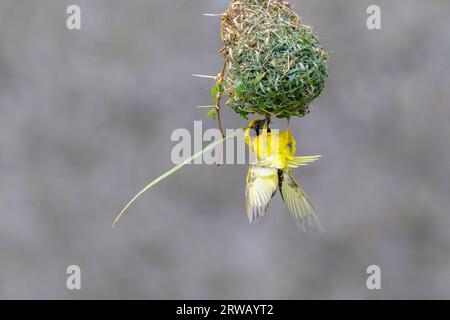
274, 153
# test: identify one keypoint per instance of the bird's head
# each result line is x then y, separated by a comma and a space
258, 125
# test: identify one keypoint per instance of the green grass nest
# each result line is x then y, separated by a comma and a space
275, 65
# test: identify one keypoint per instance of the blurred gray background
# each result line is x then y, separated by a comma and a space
85, 122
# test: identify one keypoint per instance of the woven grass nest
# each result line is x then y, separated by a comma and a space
275, 65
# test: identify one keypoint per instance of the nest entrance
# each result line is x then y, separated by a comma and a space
275, 65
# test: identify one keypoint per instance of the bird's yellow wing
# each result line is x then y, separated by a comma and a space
280, 162
262, 183
298, 203
296, 162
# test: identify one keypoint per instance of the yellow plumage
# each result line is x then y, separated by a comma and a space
274, 153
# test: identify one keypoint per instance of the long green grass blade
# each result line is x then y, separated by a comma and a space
172, 171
